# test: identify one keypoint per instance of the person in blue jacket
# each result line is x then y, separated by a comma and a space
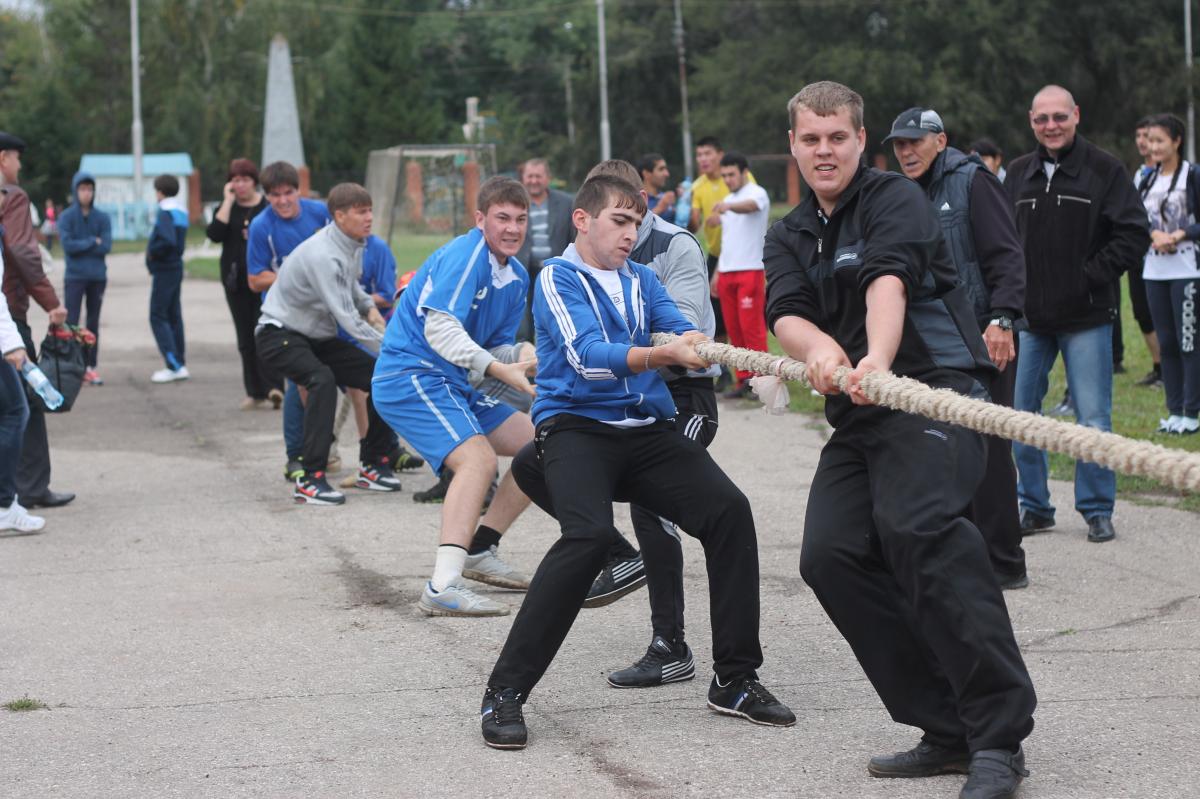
86, 235
605, 432
164, 259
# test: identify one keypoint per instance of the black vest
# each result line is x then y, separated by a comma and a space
949, 190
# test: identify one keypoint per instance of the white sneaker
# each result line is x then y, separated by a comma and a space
486, 567
1171, 424
15, 517
458, 600
170, 375
1188, 425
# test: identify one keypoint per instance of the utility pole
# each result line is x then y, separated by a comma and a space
136, 69
683, 95
605, 136
1187, 59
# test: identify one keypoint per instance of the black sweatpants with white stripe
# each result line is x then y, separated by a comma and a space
588, 465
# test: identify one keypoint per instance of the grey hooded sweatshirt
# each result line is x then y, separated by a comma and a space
318, 289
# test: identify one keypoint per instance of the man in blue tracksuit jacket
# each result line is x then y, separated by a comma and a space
605, 433
86, 235
164, 259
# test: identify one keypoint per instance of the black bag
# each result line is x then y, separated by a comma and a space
61, 358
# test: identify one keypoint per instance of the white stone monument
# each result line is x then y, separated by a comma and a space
281, 120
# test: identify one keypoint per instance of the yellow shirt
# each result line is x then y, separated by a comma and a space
706, 193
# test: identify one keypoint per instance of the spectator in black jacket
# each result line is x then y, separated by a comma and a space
1082, 224
858, 276
230, 228
977, 224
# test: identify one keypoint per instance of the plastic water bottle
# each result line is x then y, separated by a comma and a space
683, 207
36, 378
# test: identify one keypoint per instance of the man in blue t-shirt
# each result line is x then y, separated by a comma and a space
466, 299
273, 235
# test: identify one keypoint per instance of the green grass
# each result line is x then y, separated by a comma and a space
1136, 411
203, 268
24, 704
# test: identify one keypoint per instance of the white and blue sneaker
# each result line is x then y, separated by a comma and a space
458, 600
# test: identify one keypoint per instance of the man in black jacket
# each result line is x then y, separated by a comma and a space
858, 276
1082, 224
977, 224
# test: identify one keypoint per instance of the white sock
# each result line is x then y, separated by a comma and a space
448, 567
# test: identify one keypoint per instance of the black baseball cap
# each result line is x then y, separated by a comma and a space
11, 142
916, 123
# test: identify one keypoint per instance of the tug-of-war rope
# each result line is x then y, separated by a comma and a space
1172, 467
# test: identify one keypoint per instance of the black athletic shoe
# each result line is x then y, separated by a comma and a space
615, 580
1064, 408
313, 489
926, 760
1153, 379
436, 494
747, 698
1035, 523
661, 664
403, 460
1011, 582
502, 720
377, 476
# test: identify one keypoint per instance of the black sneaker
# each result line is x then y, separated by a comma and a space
1153, 379
994, 774
404, 460
437, 493
502, 720
1100, 529
926, 760
1064, 408
377, 476
294, 470
1011, 582
661, 664
747, 698
615, 580
313, 489
1035, 523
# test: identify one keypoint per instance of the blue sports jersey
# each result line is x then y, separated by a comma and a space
465, 280
272, 238
379, 269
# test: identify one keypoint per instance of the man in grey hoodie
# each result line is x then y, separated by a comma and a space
297, 336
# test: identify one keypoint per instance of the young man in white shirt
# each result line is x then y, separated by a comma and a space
739, 283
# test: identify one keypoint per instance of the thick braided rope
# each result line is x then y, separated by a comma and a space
1172, 467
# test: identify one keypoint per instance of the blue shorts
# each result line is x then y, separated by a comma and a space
433, 414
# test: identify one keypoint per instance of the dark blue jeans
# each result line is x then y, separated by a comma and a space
14, 413
76, 292
166, 316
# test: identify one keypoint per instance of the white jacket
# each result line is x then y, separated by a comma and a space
10, 339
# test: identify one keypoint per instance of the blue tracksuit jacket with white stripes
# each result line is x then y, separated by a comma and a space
583, 341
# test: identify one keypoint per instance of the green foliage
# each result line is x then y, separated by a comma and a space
24, 704
373, 73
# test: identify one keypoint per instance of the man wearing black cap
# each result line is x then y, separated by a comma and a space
978, 227
24, 278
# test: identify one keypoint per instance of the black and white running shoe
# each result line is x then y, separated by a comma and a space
661, 664
616, 579
502, 720
377, 476
746, 698
404, 460
313, 489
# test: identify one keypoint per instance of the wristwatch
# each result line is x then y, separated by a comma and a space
1002, 322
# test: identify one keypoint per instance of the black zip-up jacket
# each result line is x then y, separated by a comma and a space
1081, 229
819, 269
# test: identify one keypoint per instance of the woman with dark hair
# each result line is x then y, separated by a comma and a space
1172, 272
229, 227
